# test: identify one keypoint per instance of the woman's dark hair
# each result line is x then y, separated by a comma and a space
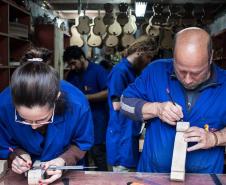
35, 83
42, 53
73, 52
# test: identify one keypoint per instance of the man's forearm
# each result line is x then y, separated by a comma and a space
100, 96
72, 155
150, 110
138, 109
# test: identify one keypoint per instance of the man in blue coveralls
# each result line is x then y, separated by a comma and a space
198, 88
91, 79
122, 140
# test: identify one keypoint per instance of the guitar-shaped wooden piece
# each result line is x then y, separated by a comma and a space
151, 29
174, 15
166, 38
127, 40
99, 27
111, 40
122, 18
84, 24
188, 19
130, 27
115, 28
76, 39
108, 18
199, 14
93, 40
161, 14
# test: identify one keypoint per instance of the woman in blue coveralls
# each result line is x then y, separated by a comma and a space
122, 140
43, 118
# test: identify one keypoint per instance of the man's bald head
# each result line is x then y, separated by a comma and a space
193, 38
192, 56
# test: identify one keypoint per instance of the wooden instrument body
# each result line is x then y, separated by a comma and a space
84, 24
130, 27
76, 39
122, 18
93, 40
108, 18
111, 40
127, 40
99, 27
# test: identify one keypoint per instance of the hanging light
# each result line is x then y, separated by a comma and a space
140, 8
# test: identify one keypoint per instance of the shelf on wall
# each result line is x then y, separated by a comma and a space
14, 30
18, 38
4, 34
14, 5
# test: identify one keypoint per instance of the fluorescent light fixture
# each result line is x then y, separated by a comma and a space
140, 8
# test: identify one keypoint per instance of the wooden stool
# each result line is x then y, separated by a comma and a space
179, 153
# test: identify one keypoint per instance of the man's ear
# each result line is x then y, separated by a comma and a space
211, 57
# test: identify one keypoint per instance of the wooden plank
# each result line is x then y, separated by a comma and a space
34, 175
179, 153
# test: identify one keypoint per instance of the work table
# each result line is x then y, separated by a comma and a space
110, 178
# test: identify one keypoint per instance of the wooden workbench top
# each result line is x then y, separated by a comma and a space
110, 178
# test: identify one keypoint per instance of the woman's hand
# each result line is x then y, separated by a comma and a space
54, 174
20, 166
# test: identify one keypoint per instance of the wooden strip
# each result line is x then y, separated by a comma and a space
179, 153
36, 174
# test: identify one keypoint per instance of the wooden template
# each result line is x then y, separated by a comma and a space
179, 153
34, 175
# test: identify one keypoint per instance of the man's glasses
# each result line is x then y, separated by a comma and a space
18, 119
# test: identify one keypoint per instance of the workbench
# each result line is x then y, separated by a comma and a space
110, 178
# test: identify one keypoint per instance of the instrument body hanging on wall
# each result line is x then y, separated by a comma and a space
76, 39
84, 24
130, 27
108, 18
111, 40
99, 27
115, 28
127, 40
122, 18
94, 40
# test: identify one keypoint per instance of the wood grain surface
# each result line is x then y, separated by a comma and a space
110, 178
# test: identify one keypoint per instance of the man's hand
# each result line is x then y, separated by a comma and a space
203, 138
55, 174
169, 113
19, 166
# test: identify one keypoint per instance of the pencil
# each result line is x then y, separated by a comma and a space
13, 151
171, 99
